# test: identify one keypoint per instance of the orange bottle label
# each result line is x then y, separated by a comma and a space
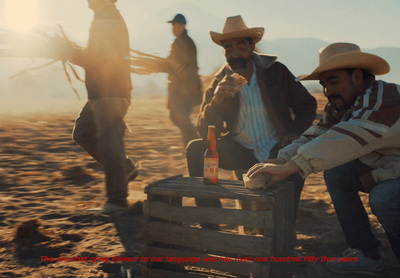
211, 167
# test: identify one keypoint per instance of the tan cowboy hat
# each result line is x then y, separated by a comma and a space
346, 56
235, 28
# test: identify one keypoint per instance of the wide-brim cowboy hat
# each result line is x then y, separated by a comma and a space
347, 56
235, 28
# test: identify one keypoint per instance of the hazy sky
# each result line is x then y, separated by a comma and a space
370, 23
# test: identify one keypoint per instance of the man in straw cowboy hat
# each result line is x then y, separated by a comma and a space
255, 120
357, 145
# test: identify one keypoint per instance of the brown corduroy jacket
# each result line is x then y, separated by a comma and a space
289, 105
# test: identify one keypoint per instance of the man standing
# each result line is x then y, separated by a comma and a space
100, 127
184, 84
252, 122
357, 145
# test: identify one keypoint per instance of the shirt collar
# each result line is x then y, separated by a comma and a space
253, 77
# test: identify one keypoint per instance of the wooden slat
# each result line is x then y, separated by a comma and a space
255, 219
158, 273
194, 187
248, 269
284, 227
273, 210
245, 245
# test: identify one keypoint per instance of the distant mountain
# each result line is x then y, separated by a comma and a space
301, 55
392, 56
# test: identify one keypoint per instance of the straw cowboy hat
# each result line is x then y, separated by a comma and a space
347, 56
235, 28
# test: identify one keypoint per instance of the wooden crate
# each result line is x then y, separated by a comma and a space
263, 226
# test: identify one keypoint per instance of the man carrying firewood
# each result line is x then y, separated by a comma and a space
184, 83
100, 127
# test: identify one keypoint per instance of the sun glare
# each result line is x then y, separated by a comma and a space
20, 15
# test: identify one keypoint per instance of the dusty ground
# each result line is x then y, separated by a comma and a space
48, 180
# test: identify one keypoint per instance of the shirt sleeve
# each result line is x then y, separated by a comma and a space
328, 119
373, 125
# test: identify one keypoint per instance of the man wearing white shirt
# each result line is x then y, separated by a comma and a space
252, 122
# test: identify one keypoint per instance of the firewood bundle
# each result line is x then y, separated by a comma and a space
56, 48
143, 63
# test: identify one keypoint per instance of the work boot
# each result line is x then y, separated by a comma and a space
355, 262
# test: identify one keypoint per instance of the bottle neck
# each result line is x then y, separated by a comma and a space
211, 141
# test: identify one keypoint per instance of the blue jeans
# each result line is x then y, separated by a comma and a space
343, 184
100, 130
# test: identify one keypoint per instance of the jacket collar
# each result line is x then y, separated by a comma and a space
183, 34
263, 60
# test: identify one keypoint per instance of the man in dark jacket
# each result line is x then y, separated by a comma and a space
252, 122
184, 84
100, 127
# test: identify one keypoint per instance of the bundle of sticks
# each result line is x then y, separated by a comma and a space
42, 45
143, 63
53, 47
39, 45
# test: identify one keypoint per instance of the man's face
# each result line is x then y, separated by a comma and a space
238, 54
178, 28
339, 88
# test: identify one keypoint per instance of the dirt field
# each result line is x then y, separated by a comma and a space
45, 178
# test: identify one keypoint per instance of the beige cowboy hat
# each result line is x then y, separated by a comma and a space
346, 56
235, 28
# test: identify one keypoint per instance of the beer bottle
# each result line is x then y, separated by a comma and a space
211, 158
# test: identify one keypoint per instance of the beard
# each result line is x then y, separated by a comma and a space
338, 103
239, 65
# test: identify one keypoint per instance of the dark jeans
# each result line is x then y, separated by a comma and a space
343, 184
180, 116
232, 156
100, 130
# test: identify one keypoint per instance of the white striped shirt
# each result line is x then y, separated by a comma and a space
254, 130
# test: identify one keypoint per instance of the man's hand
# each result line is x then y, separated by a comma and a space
277, 172
227, 88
